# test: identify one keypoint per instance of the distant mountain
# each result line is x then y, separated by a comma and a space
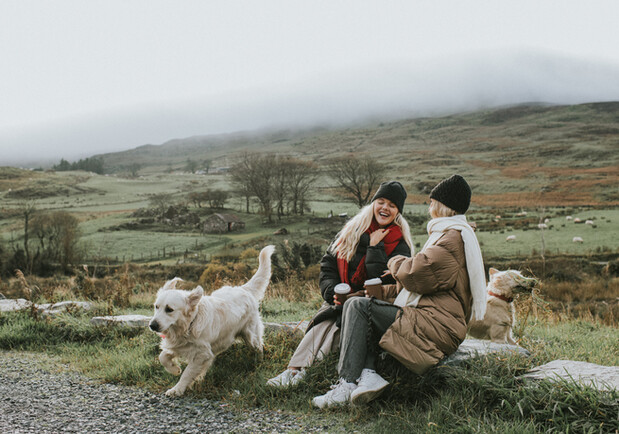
532, 148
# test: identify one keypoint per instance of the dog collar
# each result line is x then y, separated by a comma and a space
502, 297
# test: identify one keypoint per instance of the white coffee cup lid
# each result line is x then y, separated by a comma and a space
342, 288
375, 281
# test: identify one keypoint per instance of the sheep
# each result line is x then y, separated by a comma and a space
577, 220
589, 222
577, 240
547, 221
510, 238
569, 217
542, 226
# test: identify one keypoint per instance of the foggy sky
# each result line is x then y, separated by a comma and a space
80, 78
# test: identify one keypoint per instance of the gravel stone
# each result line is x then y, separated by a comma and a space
35, 400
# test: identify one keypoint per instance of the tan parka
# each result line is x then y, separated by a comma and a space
421, 336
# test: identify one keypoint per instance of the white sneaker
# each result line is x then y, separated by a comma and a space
371, 385
339, 395
288, 378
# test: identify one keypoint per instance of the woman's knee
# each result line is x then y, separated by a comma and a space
356, 304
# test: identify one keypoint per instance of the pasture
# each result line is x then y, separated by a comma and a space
104, 204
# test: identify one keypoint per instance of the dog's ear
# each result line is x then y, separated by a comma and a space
195, 296
171, 284
491, 271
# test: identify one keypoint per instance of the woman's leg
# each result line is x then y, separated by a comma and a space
363, 319
316, 343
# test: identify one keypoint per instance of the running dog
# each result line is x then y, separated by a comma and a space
198, 327
500, 311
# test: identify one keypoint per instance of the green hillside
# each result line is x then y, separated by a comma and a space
511, 155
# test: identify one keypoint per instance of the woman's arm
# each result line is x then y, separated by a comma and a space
329, 276
376, 259
434, 269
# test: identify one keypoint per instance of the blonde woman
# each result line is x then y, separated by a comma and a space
438, 291
359, 252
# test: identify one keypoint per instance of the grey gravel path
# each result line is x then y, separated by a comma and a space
34, 400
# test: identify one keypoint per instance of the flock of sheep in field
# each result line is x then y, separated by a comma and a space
545, 226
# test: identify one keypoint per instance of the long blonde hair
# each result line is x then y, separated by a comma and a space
347, 240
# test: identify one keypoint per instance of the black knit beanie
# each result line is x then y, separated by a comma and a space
392, 190
453, 192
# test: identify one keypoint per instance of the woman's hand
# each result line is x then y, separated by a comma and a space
377, 236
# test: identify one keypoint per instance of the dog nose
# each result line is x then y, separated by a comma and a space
154, 326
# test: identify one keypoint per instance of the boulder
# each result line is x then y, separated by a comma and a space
586, 374
50, 309
471, 348
291, 328
121, 320
9, 305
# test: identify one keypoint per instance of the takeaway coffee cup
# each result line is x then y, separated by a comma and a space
341, 291
374, 288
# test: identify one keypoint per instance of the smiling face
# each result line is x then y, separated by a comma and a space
385, 211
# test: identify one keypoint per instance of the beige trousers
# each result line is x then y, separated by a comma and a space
317, 343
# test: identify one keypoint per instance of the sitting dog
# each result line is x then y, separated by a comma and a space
198, 327
500, 312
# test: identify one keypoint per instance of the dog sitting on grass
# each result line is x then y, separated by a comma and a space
198, 327
500, 315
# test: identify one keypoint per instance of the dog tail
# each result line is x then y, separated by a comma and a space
257, 285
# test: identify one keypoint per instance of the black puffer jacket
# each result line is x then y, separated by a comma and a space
375, 264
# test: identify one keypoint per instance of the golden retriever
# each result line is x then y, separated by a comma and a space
500, 312
198, 327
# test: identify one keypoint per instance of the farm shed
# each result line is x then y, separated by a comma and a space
222, 223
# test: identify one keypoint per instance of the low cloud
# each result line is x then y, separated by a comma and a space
385, 92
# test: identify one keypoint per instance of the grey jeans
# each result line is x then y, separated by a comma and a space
364, 321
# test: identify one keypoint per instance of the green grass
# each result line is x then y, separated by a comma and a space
481, 396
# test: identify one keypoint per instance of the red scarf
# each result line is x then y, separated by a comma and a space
391, 240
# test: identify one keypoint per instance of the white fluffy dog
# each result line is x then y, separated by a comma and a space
198, 327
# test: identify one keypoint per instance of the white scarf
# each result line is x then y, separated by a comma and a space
474, 263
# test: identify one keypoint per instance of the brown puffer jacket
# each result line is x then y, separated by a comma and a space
421, 336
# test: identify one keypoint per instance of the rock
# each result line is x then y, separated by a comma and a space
49, 309
583, 373
292, 328
9, 305
471, 348
282, 231
121, 320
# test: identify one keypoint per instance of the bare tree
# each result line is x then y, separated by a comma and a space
27, 209
58, 234
255, 175
302, 177
358, 177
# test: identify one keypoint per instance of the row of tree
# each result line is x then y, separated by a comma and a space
282, 184
93, 164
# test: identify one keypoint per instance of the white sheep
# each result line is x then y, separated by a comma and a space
569, 217
542, 226
511, 238
577, 240
577, 220
547, 221
589, 222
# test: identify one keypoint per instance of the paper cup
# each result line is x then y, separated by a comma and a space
374, 288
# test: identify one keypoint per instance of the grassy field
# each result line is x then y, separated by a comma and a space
481, 396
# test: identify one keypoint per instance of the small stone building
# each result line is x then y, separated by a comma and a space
222, 223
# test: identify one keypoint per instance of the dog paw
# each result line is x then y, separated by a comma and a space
174, 370
173, 392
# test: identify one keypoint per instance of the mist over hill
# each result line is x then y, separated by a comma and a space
568, 153
355, 96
